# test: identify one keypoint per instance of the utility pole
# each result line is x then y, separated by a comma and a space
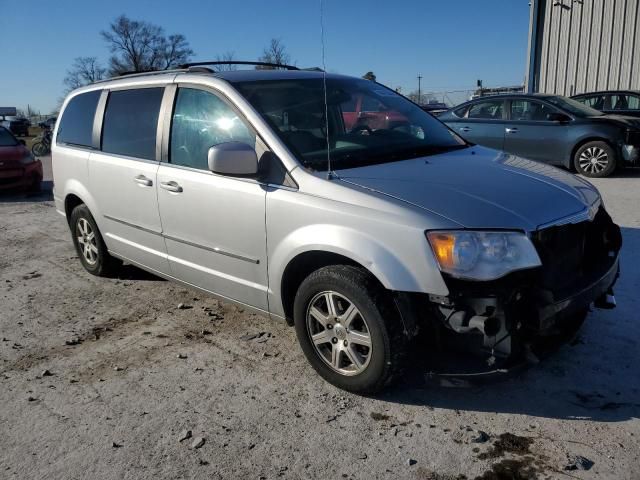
419, 89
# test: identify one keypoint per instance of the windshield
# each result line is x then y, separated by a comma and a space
6, 139
574, 107
368, 123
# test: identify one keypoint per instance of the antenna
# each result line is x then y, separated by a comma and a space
324, 88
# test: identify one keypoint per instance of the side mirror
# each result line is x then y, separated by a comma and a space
233, 158
558, 117
23, 142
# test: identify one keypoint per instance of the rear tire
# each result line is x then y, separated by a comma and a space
363, 314
595, 160
89, 244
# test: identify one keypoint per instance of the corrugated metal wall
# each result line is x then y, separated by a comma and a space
586, 45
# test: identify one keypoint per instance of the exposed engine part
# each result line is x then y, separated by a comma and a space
461, 322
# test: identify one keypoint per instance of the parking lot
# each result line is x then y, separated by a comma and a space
100, 378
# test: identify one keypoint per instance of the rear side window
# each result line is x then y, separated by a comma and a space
491, 110
131, 122
593, 101
76, 124
530, 111
625, 102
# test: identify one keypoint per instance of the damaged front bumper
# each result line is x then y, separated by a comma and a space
490, 329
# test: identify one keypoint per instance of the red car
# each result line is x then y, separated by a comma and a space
369, 113
18, 167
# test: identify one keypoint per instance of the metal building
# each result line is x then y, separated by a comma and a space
578, 46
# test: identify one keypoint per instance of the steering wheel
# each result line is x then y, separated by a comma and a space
399, 125
362, 128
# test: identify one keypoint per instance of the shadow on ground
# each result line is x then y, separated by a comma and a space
21, 196
626, 173
131, 272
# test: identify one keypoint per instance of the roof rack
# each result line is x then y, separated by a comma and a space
148, 72
257, 64
197, 67
138, 74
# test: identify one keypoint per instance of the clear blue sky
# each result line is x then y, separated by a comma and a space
451, 43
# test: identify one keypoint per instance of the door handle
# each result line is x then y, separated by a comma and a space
142, 180
464, 129
511, 130
171, 186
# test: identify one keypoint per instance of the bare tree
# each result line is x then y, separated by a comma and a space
142, 46
369, 76
228, 56
83, 71
276, 52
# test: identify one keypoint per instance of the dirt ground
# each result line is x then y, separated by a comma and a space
100, 379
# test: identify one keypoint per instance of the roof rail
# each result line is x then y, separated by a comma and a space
138, 74
149, 72
234, 62
200, 70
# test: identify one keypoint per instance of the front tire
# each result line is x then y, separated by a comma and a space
595, 160
349, 329
39, 149
89, 244
35, 186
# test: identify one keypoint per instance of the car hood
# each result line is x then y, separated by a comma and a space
11, 156
621, 120
480, 188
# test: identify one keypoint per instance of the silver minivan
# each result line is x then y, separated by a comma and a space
337, 205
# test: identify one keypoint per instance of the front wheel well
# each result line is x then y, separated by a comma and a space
301, 267
583, 142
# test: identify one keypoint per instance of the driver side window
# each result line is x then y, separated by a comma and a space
200, 121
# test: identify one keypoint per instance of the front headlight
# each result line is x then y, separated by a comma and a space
27, 159
478, 255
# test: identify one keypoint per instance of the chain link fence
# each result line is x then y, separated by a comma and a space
456, 96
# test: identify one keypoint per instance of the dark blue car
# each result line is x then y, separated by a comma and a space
620, 102
551, 129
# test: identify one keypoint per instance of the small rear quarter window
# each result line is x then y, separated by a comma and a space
76, 124
460, 112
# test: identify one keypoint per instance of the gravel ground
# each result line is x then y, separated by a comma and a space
104, 379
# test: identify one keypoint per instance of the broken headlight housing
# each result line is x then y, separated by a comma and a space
482, 255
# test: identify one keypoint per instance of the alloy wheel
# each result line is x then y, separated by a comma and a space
87, 241
339, 333
593, 160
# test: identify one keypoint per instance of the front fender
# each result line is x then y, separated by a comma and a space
397, 270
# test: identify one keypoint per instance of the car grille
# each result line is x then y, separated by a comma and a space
9, 180
574, 255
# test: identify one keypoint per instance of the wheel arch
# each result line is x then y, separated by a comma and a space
71, 201
582, 142
76, 194
301, 266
